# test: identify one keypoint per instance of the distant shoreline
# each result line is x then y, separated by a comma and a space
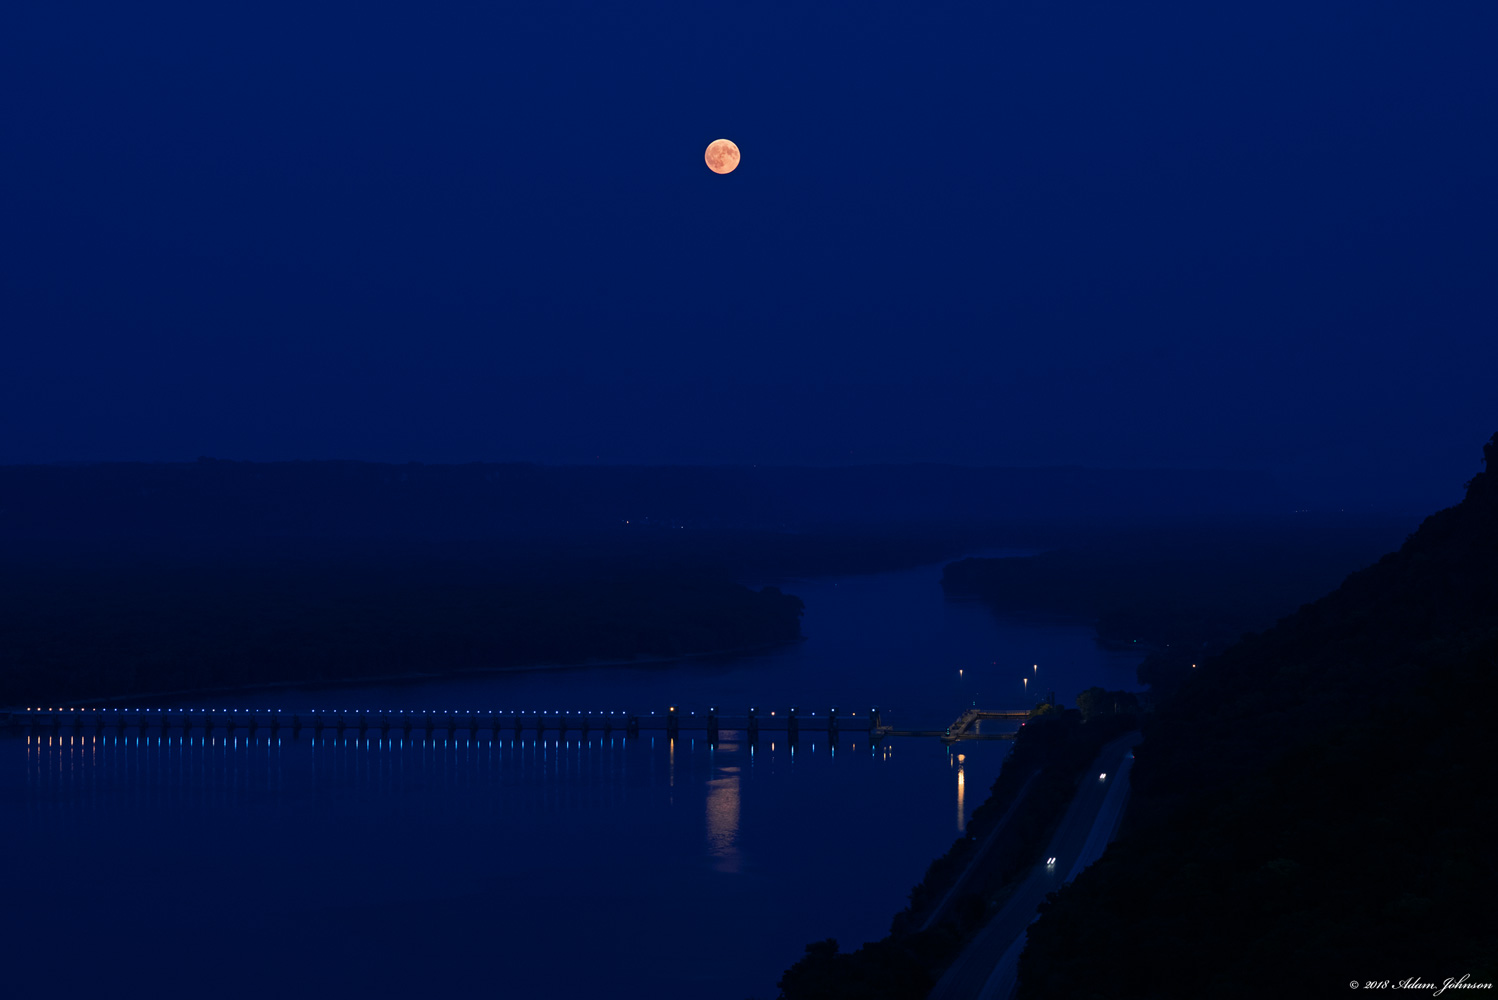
434, 675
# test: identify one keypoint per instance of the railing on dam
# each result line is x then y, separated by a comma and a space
671, 721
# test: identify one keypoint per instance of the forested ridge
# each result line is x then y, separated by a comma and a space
1196, 586
123, 579
97, 627
214, 499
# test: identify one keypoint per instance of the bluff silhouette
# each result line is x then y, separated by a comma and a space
1315, 805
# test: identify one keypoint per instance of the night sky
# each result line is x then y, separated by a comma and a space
1253, 235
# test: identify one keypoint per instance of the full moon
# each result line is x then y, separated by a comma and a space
721, 156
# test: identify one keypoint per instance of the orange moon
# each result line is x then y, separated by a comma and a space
721, 156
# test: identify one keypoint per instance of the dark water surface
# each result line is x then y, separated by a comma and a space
639, 868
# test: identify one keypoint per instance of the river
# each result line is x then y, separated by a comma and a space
633, 868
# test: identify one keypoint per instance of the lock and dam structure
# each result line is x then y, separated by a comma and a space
498, 724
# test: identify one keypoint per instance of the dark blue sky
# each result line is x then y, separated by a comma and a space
1243, 234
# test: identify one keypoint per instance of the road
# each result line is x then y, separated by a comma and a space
987, 967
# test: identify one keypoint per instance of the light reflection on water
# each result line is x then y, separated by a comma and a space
723, 811
429, 822
961, 815
344, 862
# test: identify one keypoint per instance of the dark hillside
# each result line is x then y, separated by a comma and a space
1187, 586
132, 578
132, 627
221, 500
1316, 805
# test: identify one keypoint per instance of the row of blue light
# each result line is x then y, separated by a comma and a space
363, 711
559, 742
